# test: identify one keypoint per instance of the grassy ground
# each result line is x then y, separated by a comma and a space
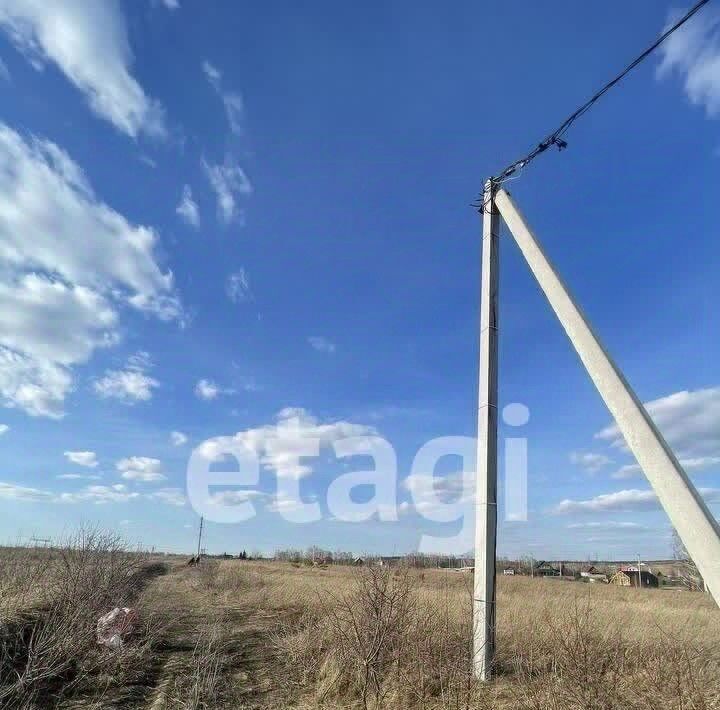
238, 634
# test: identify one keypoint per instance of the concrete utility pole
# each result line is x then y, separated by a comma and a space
486, 478
202, 519
686, 509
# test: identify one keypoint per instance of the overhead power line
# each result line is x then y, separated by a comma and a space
556, 137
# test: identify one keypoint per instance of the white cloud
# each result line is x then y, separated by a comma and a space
700, 462
693, 52
10, 491
45, 327
607, 525
33, 306
4, 429
178, 438
630, 470
233, 102
140, 468
130, 385
4, 71
228, 181
188, 209
453, 485
280, 446
82, 458
212, 73
164, 307
207, 390
126, 385
68, 262
235, 110
171, 4
237, 287
99, 495
429, 491
95, 494
624, 501
78, 477
281, 503
322, 344
87, 40
633, 470
590, 462
37, 387
169, 496
51, 220
234, 497
689, 421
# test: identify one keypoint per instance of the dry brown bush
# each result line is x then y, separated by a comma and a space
382, 642
560, 645
269, 635
51, 601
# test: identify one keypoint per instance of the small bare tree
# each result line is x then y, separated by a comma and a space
369, 626
691, 577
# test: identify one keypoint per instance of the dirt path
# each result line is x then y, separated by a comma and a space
209, 652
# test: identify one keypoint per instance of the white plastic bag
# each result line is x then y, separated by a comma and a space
115, 626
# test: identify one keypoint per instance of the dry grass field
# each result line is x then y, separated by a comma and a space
237, 634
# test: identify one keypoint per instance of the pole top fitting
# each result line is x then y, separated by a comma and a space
484, 202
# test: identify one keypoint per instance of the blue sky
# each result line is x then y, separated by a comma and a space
215, 219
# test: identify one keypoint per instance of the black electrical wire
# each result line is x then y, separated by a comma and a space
555, 138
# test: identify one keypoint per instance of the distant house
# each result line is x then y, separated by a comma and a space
358, 561
545, 569
592, 574
390, 560
502, 564
595, 578
630, 577
509, 572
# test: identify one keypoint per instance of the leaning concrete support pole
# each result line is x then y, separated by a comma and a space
486, 480
685, 507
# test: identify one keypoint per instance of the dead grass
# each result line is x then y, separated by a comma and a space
200, 685
377, 638
50, 601
238, 634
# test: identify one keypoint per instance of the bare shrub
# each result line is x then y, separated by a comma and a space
368, 627
588, 661
385, 643
582, 666
47, 641
685, 674
437, 668
260, 634
403, 640
688, 571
